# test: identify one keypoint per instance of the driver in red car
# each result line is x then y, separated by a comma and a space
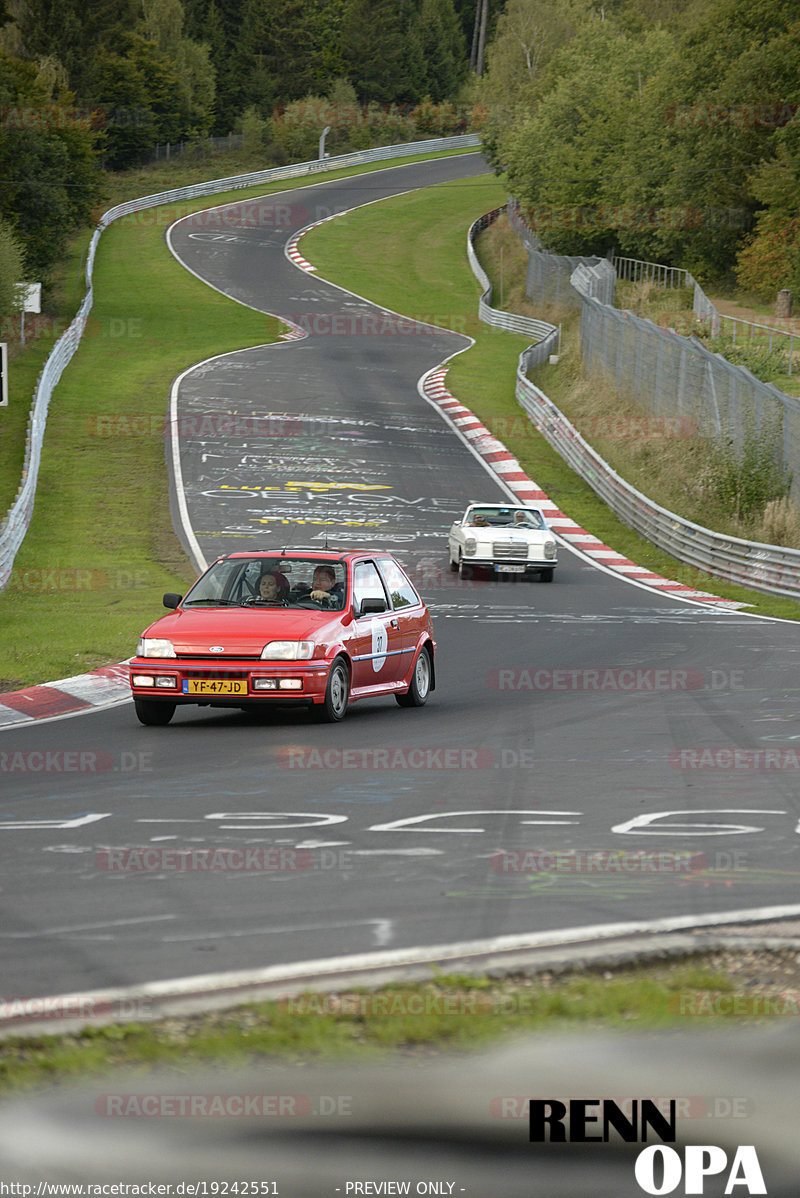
324, 587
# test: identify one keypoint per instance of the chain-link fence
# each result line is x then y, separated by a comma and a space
677, 377
545, 335
672, 375
548, 277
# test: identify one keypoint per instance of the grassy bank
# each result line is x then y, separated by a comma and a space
451, 1013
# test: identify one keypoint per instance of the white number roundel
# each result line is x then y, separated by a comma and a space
380, 643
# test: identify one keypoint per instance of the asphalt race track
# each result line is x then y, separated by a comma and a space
555, 779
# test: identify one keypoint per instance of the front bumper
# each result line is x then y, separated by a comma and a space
234, 683
505, 565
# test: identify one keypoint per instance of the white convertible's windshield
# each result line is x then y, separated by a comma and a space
506, 517
312, 582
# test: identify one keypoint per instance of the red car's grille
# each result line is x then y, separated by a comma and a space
207, 672
217, 657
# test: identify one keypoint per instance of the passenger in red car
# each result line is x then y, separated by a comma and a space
271, 588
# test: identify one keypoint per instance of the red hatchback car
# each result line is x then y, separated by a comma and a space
319, 629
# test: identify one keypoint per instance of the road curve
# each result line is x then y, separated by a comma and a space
594, 753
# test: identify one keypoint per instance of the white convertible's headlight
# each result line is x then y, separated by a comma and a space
470, 545
153, 646
549, 550
287, 651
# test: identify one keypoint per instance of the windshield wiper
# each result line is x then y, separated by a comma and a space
214, 602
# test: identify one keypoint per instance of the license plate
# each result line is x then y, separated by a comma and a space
214, 686
510, 569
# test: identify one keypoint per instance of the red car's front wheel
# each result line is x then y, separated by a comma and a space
337, 694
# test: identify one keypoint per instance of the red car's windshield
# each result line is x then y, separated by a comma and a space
315, 583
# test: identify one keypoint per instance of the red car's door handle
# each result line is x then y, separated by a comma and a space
394, 624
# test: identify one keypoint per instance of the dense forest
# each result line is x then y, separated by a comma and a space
666, 129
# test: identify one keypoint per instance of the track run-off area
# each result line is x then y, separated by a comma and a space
594, 755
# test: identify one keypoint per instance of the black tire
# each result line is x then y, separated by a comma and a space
153, 712
547, 575
453, 565
421, 678
337, 694
464, 570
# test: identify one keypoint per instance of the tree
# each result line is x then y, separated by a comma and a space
11, 269
565, 158
74, 30
282, 52
163, 25
529, 33
48, 164
441, 49
373, 46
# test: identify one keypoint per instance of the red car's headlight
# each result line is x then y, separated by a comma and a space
288, 651
151, 646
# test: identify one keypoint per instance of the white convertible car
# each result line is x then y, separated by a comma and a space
503, 538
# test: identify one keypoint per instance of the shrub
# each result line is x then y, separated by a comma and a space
746, 480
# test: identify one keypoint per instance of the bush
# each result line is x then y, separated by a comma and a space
745, 481
766, 364
771, 258
779, 524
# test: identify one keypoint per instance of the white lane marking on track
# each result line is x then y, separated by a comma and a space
640, 824
38, 933
273, 930
418, 852
32, 825
311, 819
398, 824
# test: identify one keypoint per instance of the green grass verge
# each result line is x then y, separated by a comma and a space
100, 551
182, 172
455, 1012
25, 362
420, 242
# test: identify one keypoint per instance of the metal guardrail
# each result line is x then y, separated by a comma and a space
758, 330
18, 518
635, 270
547, 335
